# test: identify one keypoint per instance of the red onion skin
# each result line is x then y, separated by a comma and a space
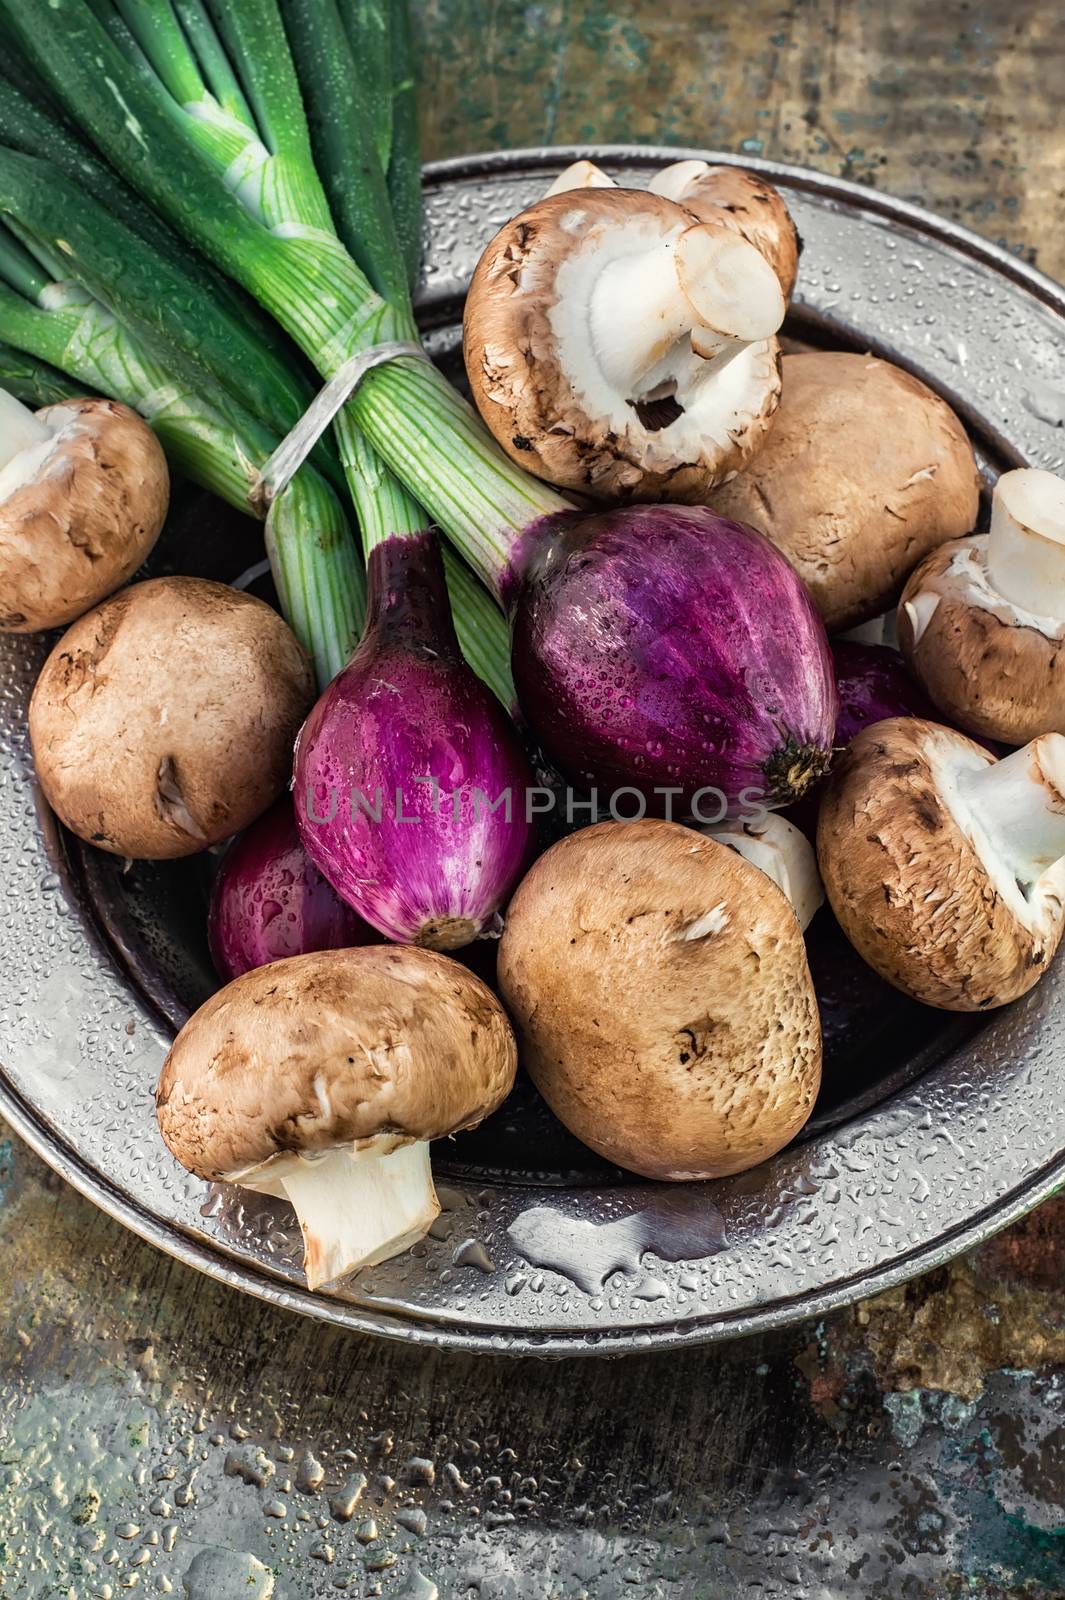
270, 901
874, 683
428, 869
665, 647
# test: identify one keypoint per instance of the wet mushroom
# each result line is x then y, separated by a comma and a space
946, 868
321, 1079
164, 720
864, 472
743, 201
84, 491
982, 619
618, 347
664, 1008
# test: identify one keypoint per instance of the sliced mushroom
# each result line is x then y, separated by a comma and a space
865, 471
321, 1079
618, 347
783, 852
84, 490
982, 619
664, 1008
743, 201
945, 867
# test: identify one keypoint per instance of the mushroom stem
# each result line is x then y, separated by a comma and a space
1019, 804
1026, 548
19, 429
705, 282
356, 1205
674, 181
780, 850
580, 175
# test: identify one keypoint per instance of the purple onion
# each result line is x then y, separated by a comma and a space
401, 761
874, 684
270, 901
665, 647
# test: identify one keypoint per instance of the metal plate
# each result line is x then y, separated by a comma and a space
933, 1132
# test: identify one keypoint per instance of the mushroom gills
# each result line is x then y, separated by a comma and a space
356, 1204
24, 444
1013, 812
1026, 546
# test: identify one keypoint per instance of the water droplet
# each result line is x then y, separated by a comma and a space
343, 1504
310, 1474
228, 1575
472, 1253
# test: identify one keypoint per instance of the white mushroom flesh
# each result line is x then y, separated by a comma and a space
919, 613
580, 175
1026, 548
24, 444
639, 315
32, 451
651, 302
674, 181
968, 577
356, 1204
1013, 813
780, 850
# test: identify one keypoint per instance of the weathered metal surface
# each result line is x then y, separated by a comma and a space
852, 1458
955, 105
911, 1449
526, 1258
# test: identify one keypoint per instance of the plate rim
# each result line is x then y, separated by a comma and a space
719, 1323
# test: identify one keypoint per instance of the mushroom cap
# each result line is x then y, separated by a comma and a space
164, 720
749, 204
907, 883
663, 1005
321, 1050
82, 525
865, 471
991, 667
594, 442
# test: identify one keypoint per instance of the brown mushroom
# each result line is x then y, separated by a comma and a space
164, 720
865, 471
982, 619
618, 347
743, 201
946, 868
84, 490
322, 1078
664, 1008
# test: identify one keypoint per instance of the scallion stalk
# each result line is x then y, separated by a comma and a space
260, 217
337, 44
34, 382
319, 580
